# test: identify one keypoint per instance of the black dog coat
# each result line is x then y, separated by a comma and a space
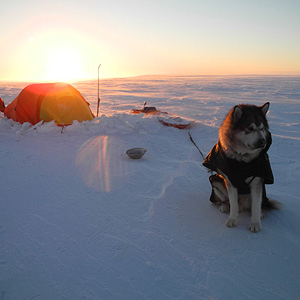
238, 172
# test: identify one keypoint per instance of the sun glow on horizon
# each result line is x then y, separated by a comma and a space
67, 43
63, 64
62, 55
52, 54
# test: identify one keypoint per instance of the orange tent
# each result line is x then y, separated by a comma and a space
60, 102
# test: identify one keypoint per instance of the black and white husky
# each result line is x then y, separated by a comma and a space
241, 163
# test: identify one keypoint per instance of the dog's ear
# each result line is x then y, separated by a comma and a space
265, 108
237, 113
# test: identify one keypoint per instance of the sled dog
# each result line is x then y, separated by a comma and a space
242, 165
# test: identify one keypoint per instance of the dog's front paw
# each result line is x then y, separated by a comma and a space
255, 227
232, 222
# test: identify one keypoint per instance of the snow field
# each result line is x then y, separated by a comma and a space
81, 220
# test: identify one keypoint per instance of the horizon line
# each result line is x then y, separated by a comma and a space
162, 75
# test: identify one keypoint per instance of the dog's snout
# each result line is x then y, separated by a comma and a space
261, 143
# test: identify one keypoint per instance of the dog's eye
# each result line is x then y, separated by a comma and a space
249, 129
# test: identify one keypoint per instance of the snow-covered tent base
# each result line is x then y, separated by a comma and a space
60, 102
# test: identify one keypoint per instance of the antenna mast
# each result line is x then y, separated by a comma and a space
98, 103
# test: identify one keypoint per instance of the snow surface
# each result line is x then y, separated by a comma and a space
81, 220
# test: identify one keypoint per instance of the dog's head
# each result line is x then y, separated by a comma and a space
246, 128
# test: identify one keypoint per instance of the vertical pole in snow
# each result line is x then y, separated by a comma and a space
98, 104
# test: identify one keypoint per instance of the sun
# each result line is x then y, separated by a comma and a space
64, 64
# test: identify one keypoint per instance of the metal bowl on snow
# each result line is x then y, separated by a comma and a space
136, 153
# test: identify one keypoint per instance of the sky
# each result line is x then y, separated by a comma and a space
67, 40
